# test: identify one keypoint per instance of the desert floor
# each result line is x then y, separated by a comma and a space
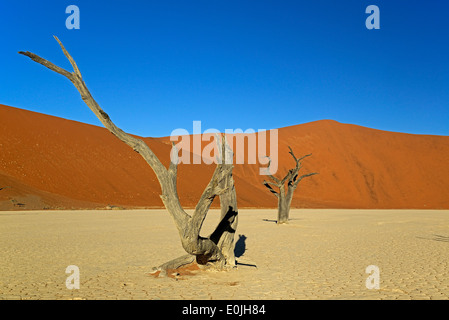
320, 254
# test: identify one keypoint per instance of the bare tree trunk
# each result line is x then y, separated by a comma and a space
218, 248
292, 180
224, 234
283, 208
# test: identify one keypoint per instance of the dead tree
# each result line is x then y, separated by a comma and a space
217, 250
292, 179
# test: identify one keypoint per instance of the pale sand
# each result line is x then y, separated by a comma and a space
320, 254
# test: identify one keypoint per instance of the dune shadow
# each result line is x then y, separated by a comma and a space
437, 237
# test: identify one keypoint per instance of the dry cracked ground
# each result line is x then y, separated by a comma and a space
319, 254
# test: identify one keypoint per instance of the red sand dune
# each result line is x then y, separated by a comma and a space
49, 162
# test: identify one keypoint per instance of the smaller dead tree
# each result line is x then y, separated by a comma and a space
292, 180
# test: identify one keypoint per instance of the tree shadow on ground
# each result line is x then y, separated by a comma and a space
437, 237
240, 246
239, 251
275, 221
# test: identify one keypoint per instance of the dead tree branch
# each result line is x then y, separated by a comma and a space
204, 249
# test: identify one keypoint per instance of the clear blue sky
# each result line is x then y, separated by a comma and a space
155, 66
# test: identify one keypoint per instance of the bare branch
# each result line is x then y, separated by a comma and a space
307, 155
48, 64
298, 161
137, 144
169, 194
302, 177
214, 188
267, 184
221, 181
293, 155
69, 57
272, 183
174, 160
270, 175
288, 176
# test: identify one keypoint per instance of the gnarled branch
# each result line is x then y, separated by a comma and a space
188, 226
268, 185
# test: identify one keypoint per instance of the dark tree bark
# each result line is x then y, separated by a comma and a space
291, 181
217, 249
